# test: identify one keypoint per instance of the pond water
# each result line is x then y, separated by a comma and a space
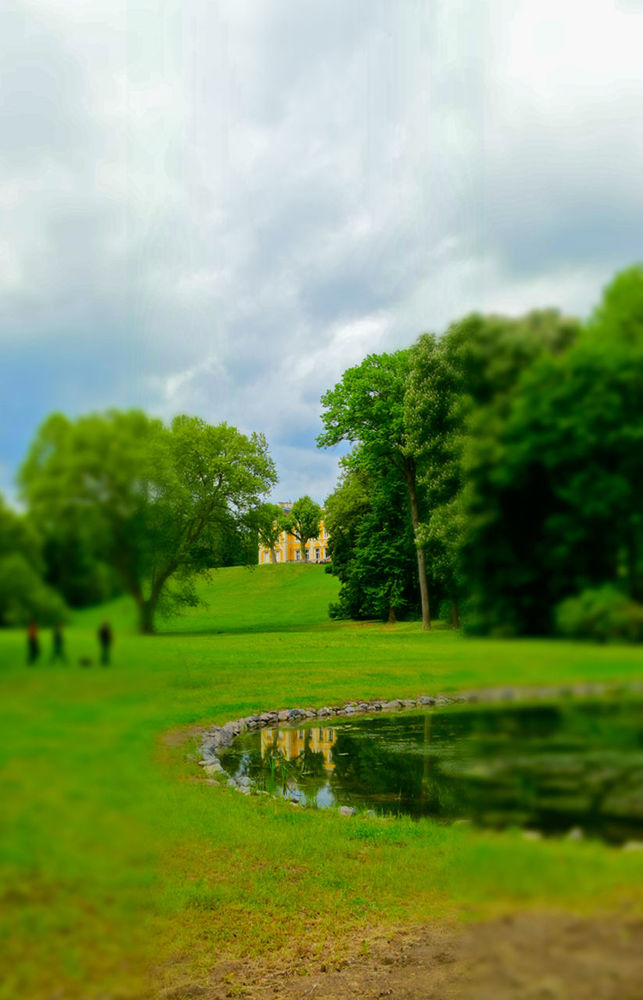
546, 767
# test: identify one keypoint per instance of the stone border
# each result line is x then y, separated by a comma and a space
218, 738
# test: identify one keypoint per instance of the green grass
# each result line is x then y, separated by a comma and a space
116, 855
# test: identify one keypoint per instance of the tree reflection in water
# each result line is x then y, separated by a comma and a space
548, 767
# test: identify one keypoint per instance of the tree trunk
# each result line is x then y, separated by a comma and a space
455, 613
392, 617
273, 556
409, 475
146, 616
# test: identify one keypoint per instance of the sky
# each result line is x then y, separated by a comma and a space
215, 207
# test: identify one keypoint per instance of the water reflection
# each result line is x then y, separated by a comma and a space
548, 767
292, 743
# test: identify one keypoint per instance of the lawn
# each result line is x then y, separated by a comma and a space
117, 857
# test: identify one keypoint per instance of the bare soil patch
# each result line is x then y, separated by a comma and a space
527, 956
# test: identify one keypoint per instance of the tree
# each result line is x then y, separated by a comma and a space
371, 542
153, 498
433, 418
572, 462
367, 408
479, 546
23, 594
271, 521
303, 521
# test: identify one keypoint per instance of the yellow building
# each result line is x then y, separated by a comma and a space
288, 549
292, 742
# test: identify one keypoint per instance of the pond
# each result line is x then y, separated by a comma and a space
549, 768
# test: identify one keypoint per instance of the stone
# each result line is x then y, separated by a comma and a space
633, 845
244, 781
575, 834
347, 811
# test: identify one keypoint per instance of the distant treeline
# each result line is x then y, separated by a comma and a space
496, 474
495, 480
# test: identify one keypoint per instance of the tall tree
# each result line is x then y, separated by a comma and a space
501, 556
152, 497
304, 520
367, 408
433, 418
371, 542
271, 521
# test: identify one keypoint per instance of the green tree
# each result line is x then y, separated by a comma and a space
303, 521
23, 593
152, 498
553, 496
72, 568
433, 417
367, 408
271, 521
480, 547
371, 542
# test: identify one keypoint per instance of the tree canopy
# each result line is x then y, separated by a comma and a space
303, 521
23, 594
522, 440
152, 498
367, 408
271, 521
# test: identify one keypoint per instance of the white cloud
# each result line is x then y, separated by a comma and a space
217, 207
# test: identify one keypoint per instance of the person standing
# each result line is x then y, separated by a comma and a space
58, 644
105, 639
33, 643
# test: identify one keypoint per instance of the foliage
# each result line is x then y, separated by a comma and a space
371, 543
153, 499
602, 613
303, 521
496, 553
558, 509
271, 521
72, 568
24, 596
367, 409
433, 415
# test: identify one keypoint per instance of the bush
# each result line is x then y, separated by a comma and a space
602, 613
24, 597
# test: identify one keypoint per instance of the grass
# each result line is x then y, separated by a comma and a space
116, 855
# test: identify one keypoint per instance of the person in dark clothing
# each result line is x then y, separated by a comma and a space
33, 643
105, 639
58, 644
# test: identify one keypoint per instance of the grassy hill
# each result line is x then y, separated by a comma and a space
238, 598
117, 856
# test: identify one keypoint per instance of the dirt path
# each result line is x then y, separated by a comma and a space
524, 957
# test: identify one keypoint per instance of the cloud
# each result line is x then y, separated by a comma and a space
217, 207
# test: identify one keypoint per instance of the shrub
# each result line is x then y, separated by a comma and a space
602, 613
23, 595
